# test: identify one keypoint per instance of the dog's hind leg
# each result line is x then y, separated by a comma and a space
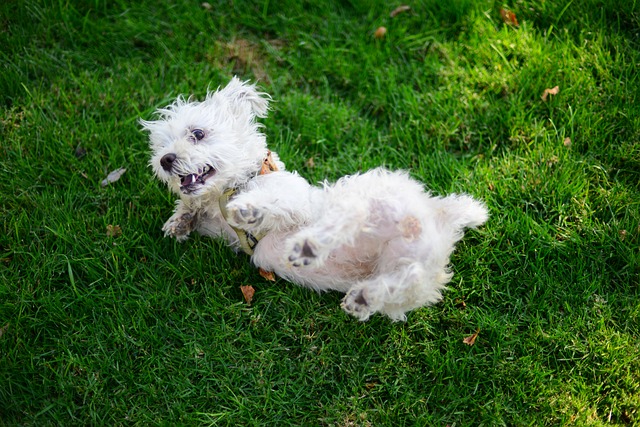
406, 288
339, 225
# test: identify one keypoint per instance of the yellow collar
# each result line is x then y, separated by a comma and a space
248, 241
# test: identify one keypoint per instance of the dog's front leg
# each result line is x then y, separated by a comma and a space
183, 221
277, 201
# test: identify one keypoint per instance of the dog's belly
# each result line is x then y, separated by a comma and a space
353, 262
335, 274
343, 268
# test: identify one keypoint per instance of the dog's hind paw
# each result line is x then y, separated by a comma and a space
355, 303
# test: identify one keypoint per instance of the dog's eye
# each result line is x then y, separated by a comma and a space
198, 134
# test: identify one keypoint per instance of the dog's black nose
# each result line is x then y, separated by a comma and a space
167, 161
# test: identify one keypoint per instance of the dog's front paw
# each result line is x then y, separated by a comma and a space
179, 226
246, 216
355, 303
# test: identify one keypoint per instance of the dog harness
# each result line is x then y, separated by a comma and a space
248, 241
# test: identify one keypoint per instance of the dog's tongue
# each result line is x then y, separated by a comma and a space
188, 180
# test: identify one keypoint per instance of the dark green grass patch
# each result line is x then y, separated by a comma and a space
105, 322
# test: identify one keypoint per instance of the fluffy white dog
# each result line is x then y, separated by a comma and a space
376, 236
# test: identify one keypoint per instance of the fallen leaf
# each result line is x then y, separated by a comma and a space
80, 152
4, 329
268, 165
380, 33
552, 91
247, 292
509, 17
311, 163
567, 142
399, 10
113, 176
114, 230
471, 340
268, 275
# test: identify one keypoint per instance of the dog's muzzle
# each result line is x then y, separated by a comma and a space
167, 161
190, 183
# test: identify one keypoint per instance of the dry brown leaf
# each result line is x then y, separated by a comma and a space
311, 163
471, 340
4, 329
113, 176
80, 152
268, 275
247, 293
399, 10
268, 165
552, 91
509, 17
380, 33
114, 230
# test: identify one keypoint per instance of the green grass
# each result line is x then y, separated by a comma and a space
136, 329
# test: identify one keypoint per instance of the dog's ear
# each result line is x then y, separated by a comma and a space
240, 93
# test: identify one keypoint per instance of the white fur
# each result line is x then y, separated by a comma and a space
376, 236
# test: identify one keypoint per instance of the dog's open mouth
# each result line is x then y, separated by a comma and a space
190, 183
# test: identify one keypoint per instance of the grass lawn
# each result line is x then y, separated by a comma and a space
105, 322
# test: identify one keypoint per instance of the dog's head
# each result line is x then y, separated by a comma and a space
209, 145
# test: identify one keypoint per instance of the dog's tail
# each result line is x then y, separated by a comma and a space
463, 211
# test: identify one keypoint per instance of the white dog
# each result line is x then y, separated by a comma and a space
377, 236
